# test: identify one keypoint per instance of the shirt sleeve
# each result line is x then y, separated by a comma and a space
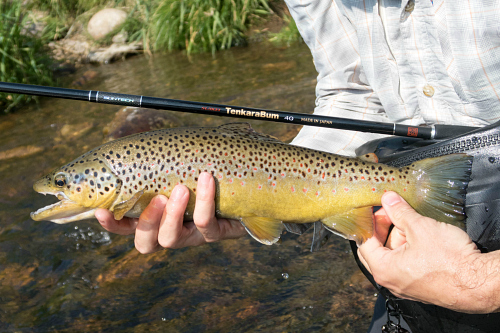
342, 89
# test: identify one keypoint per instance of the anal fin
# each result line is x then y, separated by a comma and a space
356, 224
264, 229
123, 207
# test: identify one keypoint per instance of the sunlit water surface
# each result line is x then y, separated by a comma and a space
78, 277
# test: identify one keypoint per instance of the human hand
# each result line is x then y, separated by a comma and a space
429, 261
161, 223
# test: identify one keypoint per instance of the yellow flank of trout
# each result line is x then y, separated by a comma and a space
260, 180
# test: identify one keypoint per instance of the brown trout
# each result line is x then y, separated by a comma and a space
260, 181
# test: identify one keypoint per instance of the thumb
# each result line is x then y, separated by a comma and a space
398, 210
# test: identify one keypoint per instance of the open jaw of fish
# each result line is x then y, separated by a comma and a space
64, 211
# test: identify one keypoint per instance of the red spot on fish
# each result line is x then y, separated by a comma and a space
193, 171
178, 183
317, 193
293, 189
321, 161
230, 180
269, 177
243, 156
196, 150
282, 175
334, 191
234, 158
220, 176
138, 175
373, 189
385, 191
209, 164
225, 154
239, 176
346, 189
308, 170
274, 157
362, 178
239, 166
166, 171
164, 187
274, 184
345, 170
254, 169
323, 175
301, 165
392, 178
259, 187
182, 163
242, 183
232, 193
304, 190
154, 180
404, 189
294, 160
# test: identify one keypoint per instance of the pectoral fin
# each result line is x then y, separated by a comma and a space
264, 229
356, 224
123, 207
371, 157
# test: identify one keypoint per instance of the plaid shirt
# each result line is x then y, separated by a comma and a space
411, 62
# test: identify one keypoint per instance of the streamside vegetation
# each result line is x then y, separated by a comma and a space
22, 58
26, 26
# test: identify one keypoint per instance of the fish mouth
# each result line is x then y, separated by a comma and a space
64, 211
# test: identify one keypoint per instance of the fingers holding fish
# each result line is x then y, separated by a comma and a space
204, 213
173, 232
146, 234
125, 226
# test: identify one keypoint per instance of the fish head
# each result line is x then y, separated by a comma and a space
81, 186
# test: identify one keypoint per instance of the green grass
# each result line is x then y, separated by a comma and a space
22, 56
203, 25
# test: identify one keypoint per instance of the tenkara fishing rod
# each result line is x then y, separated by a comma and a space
433, 132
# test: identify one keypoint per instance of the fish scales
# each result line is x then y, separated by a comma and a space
260, 180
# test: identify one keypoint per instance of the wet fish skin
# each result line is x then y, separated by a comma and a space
260, 181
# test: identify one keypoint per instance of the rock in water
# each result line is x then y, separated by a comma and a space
130, 120
105, 21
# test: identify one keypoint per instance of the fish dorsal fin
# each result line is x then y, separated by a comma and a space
356, 224
371, 157
245, 130
264, 229
123, 207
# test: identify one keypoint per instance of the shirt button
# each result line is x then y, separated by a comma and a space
410, 6
428, 90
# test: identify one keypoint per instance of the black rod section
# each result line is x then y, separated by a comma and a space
236, 111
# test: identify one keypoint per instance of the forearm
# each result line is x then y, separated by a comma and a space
477, 282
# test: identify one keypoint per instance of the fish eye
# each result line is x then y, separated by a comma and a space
60, 180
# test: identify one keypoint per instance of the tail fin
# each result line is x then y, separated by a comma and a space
440, 192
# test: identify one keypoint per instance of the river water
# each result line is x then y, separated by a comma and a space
78, 277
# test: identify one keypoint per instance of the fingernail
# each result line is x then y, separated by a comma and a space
391, 198
160, 201
177, 193
204, 179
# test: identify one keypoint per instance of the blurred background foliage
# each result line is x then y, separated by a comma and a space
27, 26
